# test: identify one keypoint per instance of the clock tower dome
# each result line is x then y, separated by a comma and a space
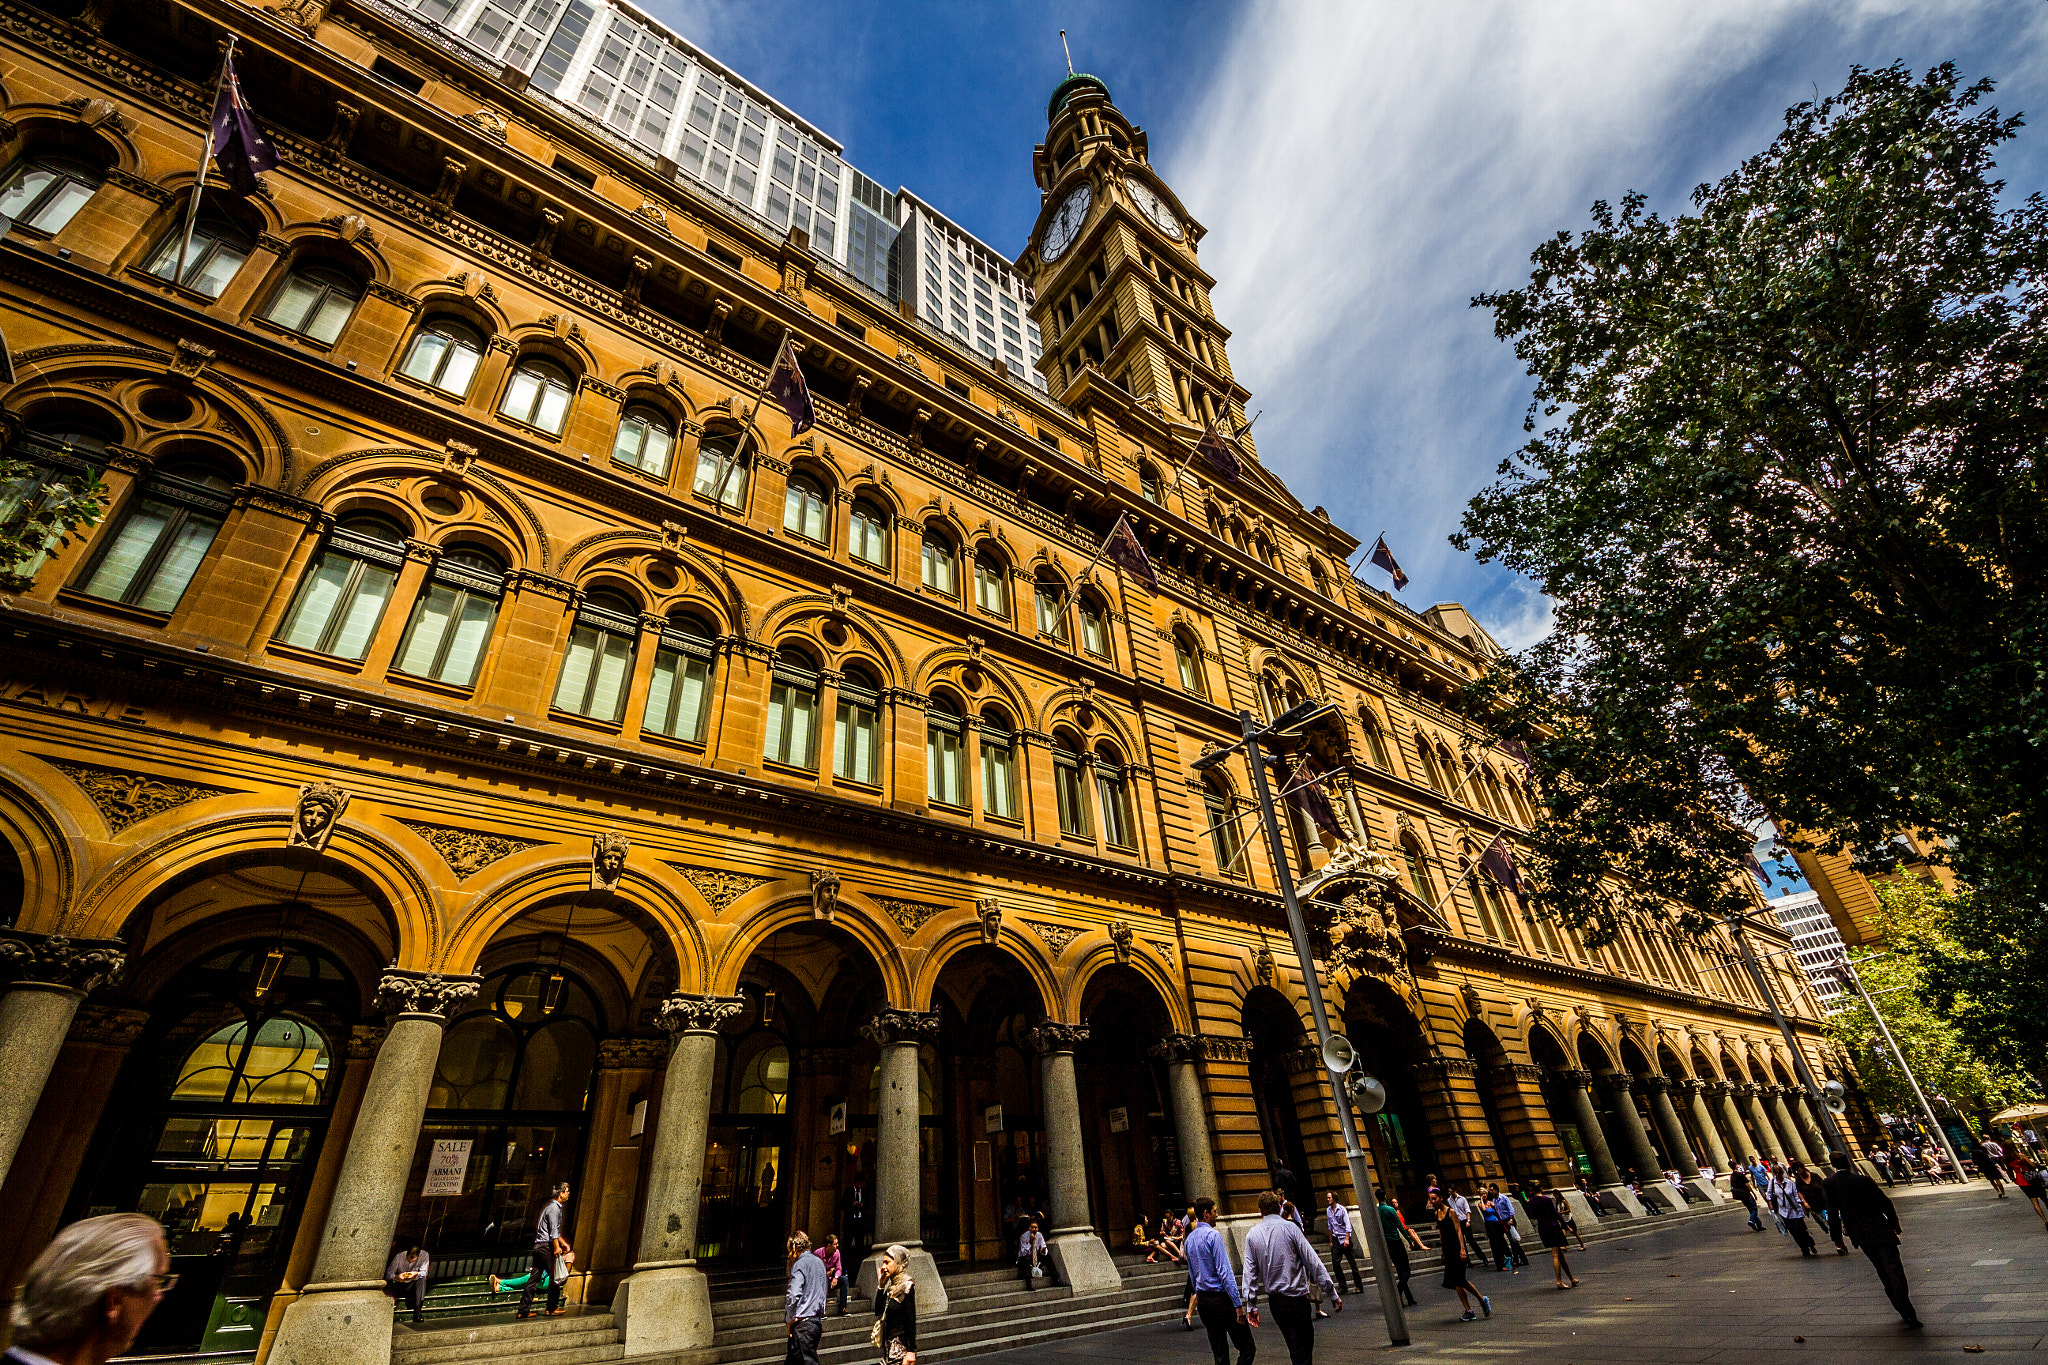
1121, 297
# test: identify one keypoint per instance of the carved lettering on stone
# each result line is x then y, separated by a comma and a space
126, 798
315, 815
608, 860
466, 851
718, 887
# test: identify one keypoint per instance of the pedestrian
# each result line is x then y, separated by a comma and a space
1989, 1155
1399, 1235
1813, 1190
2033, 1182
1279, 1262
89, 1292
1455, 1246
853, 1216
895, 1331
1292, 1214
803, 1303
1462, 1207
1569, 1216
550, 1248
1882, 1159
1504, 1208
1343, 1246
836, 1278
1790, 1208
1496, 1235
1216, 1294
1744, 1192
1873, 1224
1549, 1219
405, 1279
1032, 1257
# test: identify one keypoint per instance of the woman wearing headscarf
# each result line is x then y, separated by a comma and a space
895, 1330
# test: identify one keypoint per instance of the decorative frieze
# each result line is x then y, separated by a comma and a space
1177, 1047
910, 916
467, 851
126, 798
632, 1054
718, 887
107, 1025
1056, 936
79, 964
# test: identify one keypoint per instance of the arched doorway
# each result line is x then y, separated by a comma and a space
1277, 1036
1390, 1044
1496, 1089
1594, 1057
988, 1004
1127, 1128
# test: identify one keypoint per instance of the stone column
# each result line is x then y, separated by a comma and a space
665, 1304
1606, 1178
899, 1189
1635, 1137
1675, 1139
1752, 1096
46, 975
1695, 1093
1190, 1116
1078, 1254
1811, 1124
343, 1316
1741, 1145
1788, 1129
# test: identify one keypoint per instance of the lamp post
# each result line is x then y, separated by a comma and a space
1338, 1056
1845, 970
1756, 972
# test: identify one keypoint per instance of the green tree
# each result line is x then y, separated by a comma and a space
1784, 486
1913, 923
37, 513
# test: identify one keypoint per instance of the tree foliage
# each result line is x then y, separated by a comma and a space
1784, 486
32, 520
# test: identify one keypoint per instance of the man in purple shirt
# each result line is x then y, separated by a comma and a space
1343, 1244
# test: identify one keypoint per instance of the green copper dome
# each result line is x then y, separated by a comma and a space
1065, 90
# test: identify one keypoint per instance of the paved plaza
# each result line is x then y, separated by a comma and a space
1704, 1290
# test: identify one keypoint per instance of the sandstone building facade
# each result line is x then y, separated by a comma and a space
470, 755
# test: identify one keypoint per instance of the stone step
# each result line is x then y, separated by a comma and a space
967, 1291
583, 1348
495, 1332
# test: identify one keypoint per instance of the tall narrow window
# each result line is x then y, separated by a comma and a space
803, 507
1049, 596
1187, 660
793, 711
1375, 742
868, 535
1429, 772
945, 754
678, 697
720, 461
1070, 787
1113, 795
1418, 876
856, 750
538, 396
1217, 806
444, 354
1094, 628
45, 192
343, 598
150, 559
315, 302
217, 252
445, 638
644, 440
938, 564
599, 664
1149, 486
57, 463
1482, 899
991, 585
998, 765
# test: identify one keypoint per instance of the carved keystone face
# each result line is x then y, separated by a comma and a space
316, 813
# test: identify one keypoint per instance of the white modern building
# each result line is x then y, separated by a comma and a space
1815, 942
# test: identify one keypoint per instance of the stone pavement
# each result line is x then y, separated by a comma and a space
1706, 1290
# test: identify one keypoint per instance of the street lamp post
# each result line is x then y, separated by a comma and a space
1763, 985
1846, 970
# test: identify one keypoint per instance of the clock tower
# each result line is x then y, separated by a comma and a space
1121, 297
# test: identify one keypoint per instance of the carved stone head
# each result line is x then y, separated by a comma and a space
1120, 940
991, 919
608, 860
314, 817
824, 894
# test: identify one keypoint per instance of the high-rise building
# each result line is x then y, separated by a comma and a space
1815, 942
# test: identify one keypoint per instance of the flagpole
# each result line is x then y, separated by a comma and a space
1075, 591
727, 466
1194, 447
205, 161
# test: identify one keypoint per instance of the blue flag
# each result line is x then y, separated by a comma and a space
786, 386
239, 147
1383, 558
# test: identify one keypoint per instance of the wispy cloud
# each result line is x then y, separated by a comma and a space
1364, 168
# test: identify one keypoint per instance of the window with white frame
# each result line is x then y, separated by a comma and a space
599, 665
344, 595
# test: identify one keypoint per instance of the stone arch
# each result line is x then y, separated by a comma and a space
1062, 707
102, 131
152, 969
857, 916
506, 516
1147, 963
552, 872
784, 616
1594, 1052
1010, 693
1026, 949
358, 245
481, 308
47, 840
565, 347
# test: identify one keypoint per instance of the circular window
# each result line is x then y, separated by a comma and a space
441, 502
662, 578
167, 406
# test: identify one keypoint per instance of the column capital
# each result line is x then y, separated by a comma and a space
1715, 1088
1521, 1073
56, 961
1654, 1085
1685, 1085
1746, 1089
1177, 1047
1440, 1067
1052, 1036
900, 1026
1576, 1076
1619, 1081
431, 995
681, 1013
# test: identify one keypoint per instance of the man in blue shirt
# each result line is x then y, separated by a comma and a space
549, 1247
1216, 1295
1343, 1246
803, 1306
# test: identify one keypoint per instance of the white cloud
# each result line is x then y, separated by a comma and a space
1363, 168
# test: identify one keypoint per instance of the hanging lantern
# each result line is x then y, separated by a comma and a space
267, 970
768, 1005
551, 993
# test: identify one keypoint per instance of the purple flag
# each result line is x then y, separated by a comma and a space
1383, 558
1501, 865
786, 386
1515, 749
1310, 799
1123, 550
1220, 456
239, 148
1756, 869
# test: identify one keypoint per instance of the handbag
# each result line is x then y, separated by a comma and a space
1037, 1271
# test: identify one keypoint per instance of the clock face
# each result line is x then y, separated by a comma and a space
1065, 225
1155, 208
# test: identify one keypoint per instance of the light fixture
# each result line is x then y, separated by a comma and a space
268, 969
768, 1005
551, 993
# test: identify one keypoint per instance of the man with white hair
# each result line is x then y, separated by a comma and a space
90, 1291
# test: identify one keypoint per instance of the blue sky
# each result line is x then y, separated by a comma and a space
1363, 168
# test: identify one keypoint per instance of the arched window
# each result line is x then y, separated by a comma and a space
58, 460
444, 354
1094, 627
1219, 805
678, 697
868, 539
1187, 661
803, 507
998, 765
1429, 772
1149, 486
281, 1061
793, 711
762, 1074
315, 301
217, 252
1070, 788
538, 396
530, 1044
856, 748
1375, 741
1321, 580
644, 441
938, 563
945, 742
991, 584
445, 638
721, 461
1418, 874
150, 558
1269, 697
1049, 595
599, 664
45, 193
1488, 905
343, 598
1216, 525
1113, 795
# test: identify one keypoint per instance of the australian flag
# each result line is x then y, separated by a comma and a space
786, 386
1306, 796
1220, 456
1123, 550
1756, 870
239, 148
1383, 558
1501, 865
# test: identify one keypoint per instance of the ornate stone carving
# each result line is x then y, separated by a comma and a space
1164, 947
302, 14
718, 887
1365, 937
1054, 1036
108, 1025
315, 815
991, 912
364, 1040
487, 123
79, 964
1263, 965
1220, 1049
910, 916
466, 851
343, 130
681, 1013
435, 994
632, 1054
900, 1026
189, 358
1120, 941
1654, 1085
608, 860
1056, 936
124, 799
1576, 1076
824, 894
1620, 1082
1305, 1061
1177, 1047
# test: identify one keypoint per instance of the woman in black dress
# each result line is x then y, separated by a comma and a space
1451, 1237
1550, 1229
895, 1330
